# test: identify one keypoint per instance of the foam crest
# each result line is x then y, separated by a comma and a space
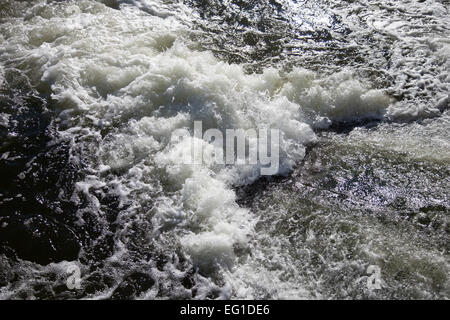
125, 80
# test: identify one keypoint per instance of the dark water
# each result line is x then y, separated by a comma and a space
91, 90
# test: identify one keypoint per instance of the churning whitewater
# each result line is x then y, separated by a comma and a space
92, 91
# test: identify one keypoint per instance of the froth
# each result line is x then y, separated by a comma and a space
128, 81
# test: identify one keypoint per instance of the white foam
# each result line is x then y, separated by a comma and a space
139, 78
418, 52
337, 98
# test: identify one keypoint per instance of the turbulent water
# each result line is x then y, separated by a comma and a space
91, 91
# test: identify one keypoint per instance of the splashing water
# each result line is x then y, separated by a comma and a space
91, 92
